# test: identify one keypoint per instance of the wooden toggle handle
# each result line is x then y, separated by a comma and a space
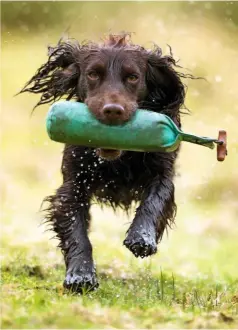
222, 147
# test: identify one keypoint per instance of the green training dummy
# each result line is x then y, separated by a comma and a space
72, 123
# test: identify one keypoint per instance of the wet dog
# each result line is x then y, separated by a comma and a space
114, 79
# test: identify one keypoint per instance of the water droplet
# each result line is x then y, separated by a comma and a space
218, 78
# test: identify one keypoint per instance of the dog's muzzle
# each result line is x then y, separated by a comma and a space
108, 154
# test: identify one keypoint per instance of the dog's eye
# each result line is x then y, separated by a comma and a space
132, 78
93, 75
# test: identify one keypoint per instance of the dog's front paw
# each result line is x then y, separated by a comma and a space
80, 281
140, 243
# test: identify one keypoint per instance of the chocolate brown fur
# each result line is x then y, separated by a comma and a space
114, 79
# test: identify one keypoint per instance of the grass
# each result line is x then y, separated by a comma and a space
192, 282
134, 299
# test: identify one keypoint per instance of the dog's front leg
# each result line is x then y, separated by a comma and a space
69, 213
155, 212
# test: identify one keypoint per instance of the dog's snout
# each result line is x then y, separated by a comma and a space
113, 111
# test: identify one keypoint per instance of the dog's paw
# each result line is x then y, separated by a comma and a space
140, 243
81, 281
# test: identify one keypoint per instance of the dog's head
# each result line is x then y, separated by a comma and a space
113, 78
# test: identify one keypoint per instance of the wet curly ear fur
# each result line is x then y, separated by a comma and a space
58, 77
166, 90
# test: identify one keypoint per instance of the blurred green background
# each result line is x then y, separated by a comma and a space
204, 36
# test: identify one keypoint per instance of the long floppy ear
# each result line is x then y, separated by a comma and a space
58, 77
166, 92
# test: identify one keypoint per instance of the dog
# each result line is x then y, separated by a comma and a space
113, 79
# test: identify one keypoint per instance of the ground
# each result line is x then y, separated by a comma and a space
190, 283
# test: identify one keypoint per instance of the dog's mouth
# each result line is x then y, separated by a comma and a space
109, 154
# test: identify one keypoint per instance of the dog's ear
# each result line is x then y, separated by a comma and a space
166, 91
58, 77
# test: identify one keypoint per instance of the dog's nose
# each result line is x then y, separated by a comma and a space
113, 112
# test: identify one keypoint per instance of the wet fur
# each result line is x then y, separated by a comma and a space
143, 177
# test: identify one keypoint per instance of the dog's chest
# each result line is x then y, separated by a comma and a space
117, 194
120, 184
